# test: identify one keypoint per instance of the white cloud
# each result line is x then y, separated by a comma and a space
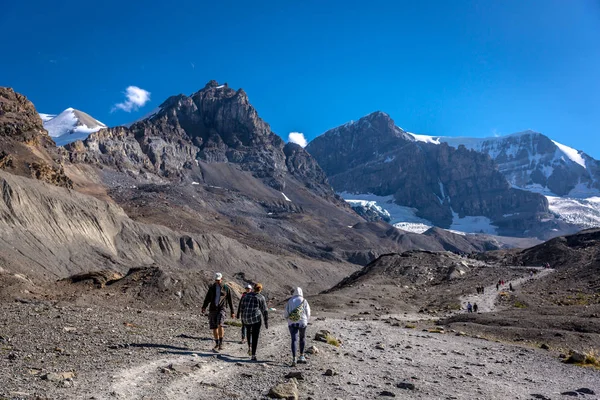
298, 138
136, 98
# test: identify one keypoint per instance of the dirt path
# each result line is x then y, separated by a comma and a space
486, 302
375, 357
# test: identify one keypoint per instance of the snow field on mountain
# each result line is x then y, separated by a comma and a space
405, 218
66, 127
583, 212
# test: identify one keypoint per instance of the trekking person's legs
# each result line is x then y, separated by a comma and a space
249, 336
243, 333
302, 332
213, 322
255, 333
294, 334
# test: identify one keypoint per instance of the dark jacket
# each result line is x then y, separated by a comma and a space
225, 297
252, 307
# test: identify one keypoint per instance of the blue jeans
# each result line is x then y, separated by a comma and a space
296, 329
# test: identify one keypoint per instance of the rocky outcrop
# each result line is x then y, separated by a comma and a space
214, 125
26, 147
20, 121
374, 156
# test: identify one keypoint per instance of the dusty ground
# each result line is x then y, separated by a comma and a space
121, 353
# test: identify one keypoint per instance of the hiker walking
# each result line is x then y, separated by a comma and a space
252, 307
510, 287
475, 307
248, 290
217, 298
297, 312
469, 307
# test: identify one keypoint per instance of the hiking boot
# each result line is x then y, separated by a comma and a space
302, 359
293, 364
221, 346
216, 348
249, 351
253, 358
242, 341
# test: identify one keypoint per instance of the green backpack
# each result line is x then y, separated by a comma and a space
296, 315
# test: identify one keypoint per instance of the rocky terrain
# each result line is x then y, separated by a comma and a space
396, 339
531, 160
107, 247
373, 155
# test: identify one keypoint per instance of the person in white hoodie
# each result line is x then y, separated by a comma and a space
297, 313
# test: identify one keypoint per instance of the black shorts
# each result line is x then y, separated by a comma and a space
216, 318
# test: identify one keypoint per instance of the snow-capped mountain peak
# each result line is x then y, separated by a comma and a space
70, 125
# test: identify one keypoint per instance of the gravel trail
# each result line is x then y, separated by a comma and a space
486, 302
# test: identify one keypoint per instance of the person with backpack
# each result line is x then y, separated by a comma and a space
253, 306
248, 290
469, 307
217, 298
297, 313
475, 308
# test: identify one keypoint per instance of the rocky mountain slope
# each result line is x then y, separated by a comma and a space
532, 161
444, 185
202, 185
70, 125
25, 147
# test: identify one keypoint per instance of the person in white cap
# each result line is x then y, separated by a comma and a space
218, 297
297, 313
244, 328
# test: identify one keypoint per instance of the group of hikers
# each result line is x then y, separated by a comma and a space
480, 290
472, 307
252, 310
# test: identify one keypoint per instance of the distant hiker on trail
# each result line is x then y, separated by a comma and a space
475, 307
252, 306
297, 313
248, 290
218, 297
469, 307
497, 286
482, 290
510, 287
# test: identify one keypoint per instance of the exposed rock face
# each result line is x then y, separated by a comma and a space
26, 147
19, 120
531, 160
374, 156
214, 125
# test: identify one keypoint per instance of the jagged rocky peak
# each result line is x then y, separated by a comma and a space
370, 136
444, 184
213, 125
19, 119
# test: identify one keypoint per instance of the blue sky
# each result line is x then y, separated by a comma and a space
455, 68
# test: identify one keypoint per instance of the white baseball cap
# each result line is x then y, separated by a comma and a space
218, 276
248, 286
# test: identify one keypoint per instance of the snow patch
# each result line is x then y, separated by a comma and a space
46, 117
285, 197
571, 153
425, 138
582, 212
401, 217
195, 183
472, 224
389, 159
413, 227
